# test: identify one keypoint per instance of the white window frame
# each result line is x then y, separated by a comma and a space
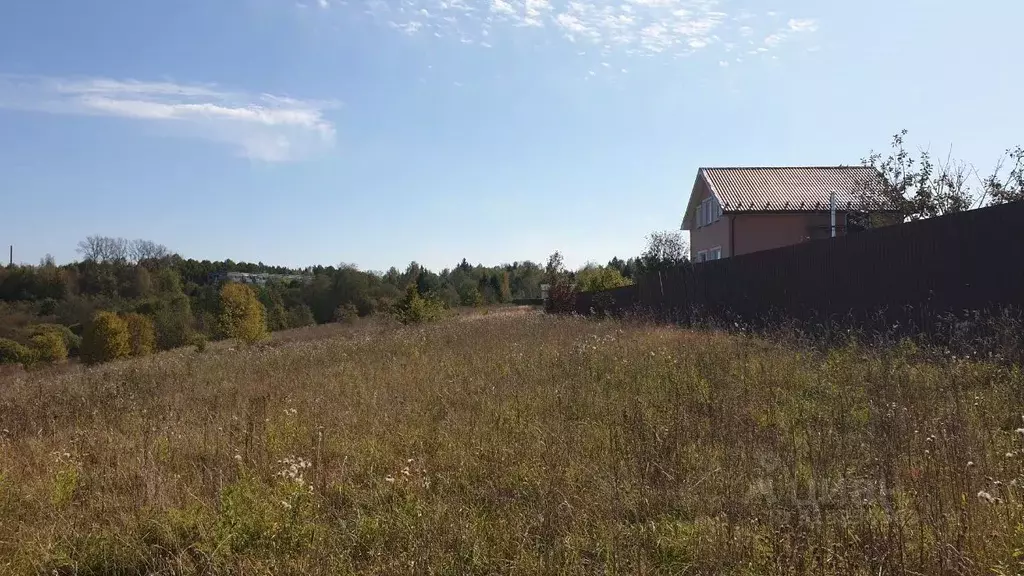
702, 256
715, 253
708, 212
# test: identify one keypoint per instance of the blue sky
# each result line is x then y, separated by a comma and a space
382, 131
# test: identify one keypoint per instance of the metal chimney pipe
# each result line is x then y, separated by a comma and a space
833, 211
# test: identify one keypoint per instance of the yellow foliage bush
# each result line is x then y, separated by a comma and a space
49, 347
242, 316
12, 352
106, 339
142, 334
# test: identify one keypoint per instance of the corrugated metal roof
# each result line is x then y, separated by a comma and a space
805, 188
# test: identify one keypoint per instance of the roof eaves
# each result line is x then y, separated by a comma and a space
687, 224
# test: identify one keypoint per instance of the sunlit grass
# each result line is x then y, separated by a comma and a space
513, 443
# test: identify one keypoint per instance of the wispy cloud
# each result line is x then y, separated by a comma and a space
258, 126
630, 27
803, 25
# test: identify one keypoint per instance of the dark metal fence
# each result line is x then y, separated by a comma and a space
910, 275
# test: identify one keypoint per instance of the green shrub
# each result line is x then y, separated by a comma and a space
13, 353
49, 347
199, 341
300, 316
72, 341
415, 309
172, 319
174, 325
106, 339
346, 314
597, 278
561, 299
142, 334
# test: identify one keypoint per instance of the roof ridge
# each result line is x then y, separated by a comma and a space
821, 167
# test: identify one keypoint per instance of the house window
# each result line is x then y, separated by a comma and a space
715, 253
702, 256
709, 212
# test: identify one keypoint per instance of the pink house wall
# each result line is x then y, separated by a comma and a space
756, 232
745, 233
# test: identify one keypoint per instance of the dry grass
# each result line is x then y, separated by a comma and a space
514, 444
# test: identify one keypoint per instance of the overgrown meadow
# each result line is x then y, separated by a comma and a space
514, 443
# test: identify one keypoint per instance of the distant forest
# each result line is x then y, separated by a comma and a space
182, 295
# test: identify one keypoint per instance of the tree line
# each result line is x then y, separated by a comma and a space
136, 296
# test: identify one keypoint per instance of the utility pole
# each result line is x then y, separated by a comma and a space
12, 255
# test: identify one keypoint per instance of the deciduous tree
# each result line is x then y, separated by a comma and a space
107, 338
593, 278
664, 251
142, 334
241, 314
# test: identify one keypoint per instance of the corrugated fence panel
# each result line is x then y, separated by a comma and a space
908, 274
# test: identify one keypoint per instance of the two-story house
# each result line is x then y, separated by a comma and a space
735, 211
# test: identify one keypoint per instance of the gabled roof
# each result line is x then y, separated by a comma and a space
790, 189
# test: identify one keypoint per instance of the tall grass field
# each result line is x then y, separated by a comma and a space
514, 443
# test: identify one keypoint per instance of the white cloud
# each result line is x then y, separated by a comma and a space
570, 23
409, 28
803, 25
257, 126
654, 3
502, 7
535, 12
794, 26
623, 27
